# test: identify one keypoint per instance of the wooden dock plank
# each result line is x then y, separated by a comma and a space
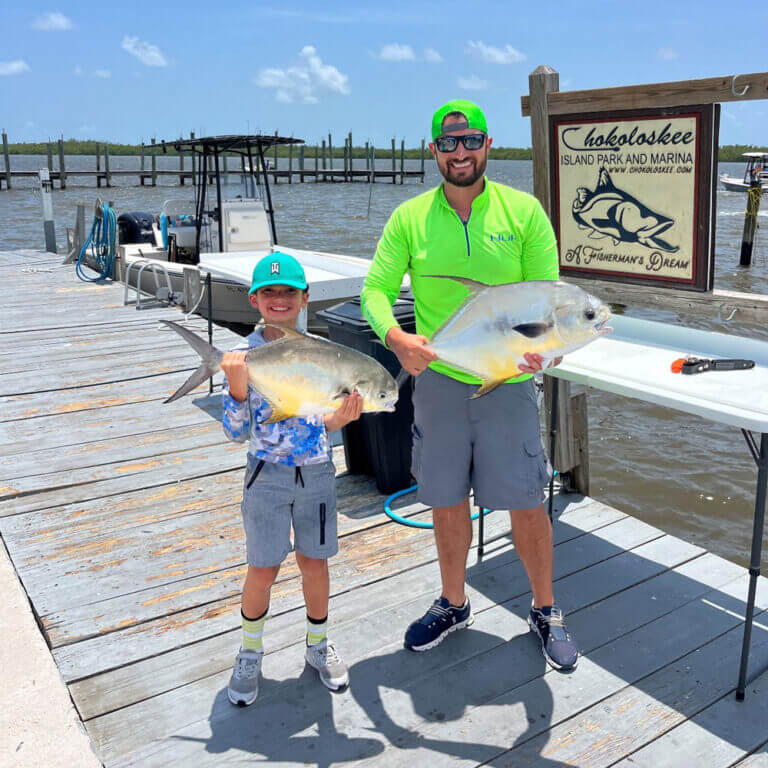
757, 760
487, 728
67, 429
18, 407
723, 732
385, 680
125, 685
498, 584
636, 715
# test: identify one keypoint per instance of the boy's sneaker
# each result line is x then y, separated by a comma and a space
244, 684
332, 670
439, 621
557, 645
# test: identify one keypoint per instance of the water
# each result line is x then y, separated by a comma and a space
690, 477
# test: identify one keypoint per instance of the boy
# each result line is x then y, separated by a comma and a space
289, 479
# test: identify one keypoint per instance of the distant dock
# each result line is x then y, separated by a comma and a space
318, 163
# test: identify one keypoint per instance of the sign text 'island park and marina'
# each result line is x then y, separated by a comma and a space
633, 194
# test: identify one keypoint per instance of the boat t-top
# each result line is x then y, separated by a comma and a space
757, 169
223, 233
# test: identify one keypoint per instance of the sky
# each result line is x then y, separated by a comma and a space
127, 72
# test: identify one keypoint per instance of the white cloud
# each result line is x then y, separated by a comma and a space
79, 71
396, 52
103, 73
431, 55
305, 82
52, 22
667, 54
493, 55
146, 53
472, 83
15, 67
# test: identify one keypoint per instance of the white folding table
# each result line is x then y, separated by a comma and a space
635, 361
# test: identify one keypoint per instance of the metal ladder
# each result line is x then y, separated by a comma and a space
163, 294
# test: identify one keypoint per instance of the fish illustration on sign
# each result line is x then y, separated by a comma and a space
611, 212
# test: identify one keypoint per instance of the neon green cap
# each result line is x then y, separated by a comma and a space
278, 269
470, 110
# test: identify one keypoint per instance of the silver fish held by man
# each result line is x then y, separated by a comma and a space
300, 375
489, 334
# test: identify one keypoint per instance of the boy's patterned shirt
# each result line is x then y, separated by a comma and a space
294, 441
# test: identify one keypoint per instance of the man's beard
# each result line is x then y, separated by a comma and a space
465, 181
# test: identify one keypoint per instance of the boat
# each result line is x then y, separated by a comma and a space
756, 168
192, 242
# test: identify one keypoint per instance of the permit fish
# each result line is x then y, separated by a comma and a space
299, 375
489, 334
611, 212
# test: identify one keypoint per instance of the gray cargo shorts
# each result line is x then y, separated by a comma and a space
276, 496
491, 444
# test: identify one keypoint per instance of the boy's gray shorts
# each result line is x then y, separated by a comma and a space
274, 498
491, 444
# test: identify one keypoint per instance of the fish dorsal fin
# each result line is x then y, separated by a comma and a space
474, 286
488, 386
604, 183
288, 333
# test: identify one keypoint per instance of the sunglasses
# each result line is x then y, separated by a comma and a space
449, 143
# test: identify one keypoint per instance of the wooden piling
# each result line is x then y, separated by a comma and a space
194, 161
330, 154
108, 175
324, 161
349, 163
98, 165
50, 162
394, 166
754, 193
317, 150
422, 159
290, 163
274, 175
62, 167
402, 161
7, 156
571, 447
367, 157
301, 164
154, 163
181, 169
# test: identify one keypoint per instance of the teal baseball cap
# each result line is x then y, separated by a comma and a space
470, 110
278, 269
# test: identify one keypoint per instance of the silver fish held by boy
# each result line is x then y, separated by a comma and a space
299, 375
489, 334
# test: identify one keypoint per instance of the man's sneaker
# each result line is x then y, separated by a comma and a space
557, 645
439, 621
332, 670
244, 684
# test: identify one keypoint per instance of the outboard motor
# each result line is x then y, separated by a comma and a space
135, 227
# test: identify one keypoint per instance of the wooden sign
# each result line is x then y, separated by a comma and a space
633, 194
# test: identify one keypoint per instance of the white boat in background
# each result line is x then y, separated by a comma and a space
757, 168
193, 239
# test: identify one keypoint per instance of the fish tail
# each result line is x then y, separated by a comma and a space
210, 355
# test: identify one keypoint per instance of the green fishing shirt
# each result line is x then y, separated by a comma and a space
507, 239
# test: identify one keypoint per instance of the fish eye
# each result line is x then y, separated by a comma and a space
382, 395
589, 314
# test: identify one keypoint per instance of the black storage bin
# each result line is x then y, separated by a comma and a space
135, 228
378, 444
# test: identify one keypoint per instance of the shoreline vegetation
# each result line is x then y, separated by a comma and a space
726, 153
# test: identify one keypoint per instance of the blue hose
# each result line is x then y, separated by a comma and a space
415, 523
103, 244
419, 523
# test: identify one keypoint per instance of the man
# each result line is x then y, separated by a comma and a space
470, 227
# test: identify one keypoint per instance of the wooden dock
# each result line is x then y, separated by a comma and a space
121, 516
306, 164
